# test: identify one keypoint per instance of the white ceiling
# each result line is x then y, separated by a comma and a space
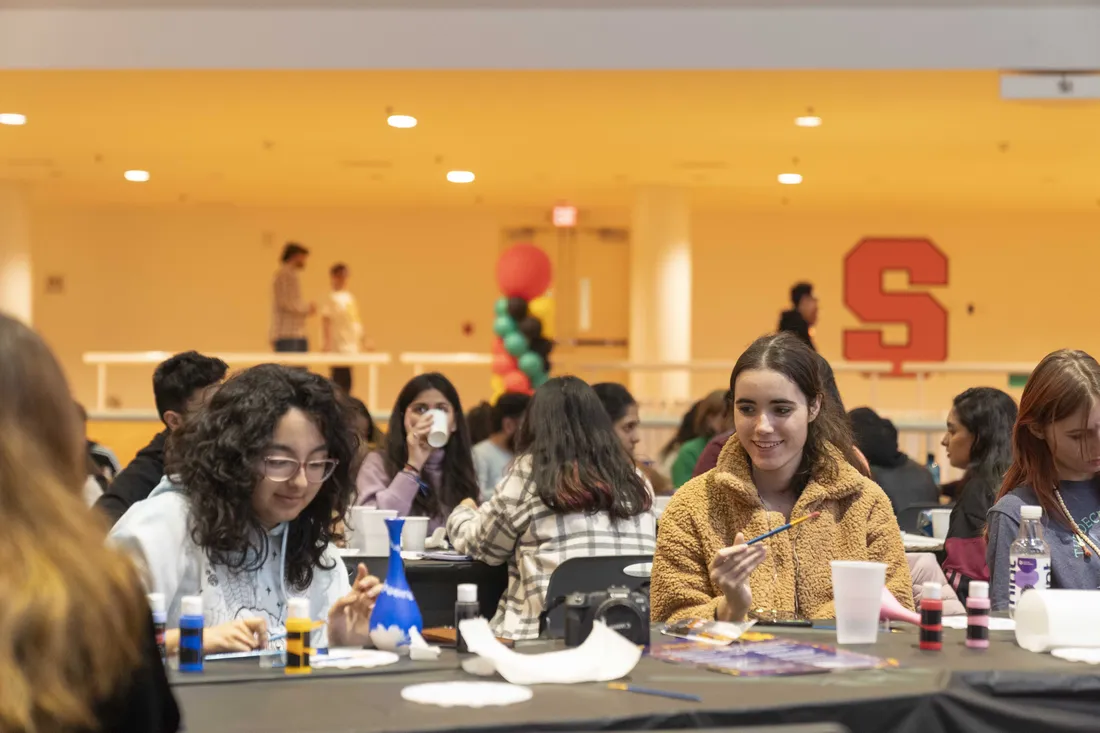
539, 4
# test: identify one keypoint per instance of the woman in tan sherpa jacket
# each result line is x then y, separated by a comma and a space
791, 455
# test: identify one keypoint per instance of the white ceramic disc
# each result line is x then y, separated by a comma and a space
466, 694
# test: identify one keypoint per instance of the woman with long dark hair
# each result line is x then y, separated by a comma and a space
77, 650
792, 455
572, 492
261, 476
1055, 464
409, 475
622, 408
978, 441
710, 420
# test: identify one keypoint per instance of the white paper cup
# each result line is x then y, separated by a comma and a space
1051, 619
857, 592
441, 429
414, 533
368, 532
941, 522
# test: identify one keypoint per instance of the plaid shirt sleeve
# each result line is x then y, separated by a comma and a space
288, 297
491, 532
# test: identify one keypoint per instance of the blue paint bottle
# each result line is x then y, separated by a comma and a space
191, 623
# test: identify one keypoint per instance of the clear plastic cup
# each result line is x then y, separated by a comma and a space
857, 595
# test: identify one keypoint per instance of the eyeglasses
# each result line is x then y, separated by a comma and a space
284, 469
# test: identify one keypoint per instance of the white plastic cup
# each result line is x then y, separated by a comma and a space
441, 429
1049, 619
414, 534
367, 530
857, 595
941, 522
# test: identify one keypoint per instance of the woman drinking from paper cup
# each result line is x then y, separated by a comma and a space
426, 468
262, 472
791, 457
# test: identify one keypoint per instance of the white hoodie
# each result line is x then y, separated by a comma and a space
156, 533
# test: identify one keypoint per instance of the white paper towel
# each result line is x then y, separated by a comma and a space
604, 656
1050, 619
995, 623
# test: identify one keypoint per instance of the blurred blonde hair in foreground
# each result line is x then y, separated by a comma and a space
72, 613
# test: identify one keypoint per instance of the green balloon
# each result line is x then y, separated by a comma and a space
530, 364
504, 325
515, 343
502, 306
540, 379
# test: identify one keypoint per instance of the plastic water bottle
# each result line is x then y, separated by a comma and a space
1028, 558
933, 468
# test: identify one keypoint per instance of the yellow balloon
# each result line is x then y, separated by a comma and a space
543, 309
497, 393
496, 382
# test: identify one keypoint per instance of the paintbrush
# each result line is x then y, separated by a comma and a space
656, 693
784, 528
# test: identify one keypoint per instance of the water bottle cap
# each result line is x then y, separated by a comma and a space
933, 591
298, 608
979, 589
156, 602
1031, 512
191, 606
467, 593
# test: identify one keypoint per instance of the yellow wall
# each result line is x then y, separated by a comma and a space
185, 277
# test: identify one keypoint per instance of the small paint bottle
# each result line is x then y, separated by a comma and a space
299, 626
977, 615
931, 617
160, 623
191, 623
465, 608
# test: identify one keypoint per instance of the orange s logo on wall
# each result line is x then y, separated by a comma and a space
864, 268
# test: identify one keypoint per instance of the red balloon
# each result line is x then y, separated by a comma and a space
524, 271
498, 346
504, 364
517, 381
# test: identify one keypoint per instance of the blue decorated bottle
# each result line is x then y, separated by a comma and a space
396, 611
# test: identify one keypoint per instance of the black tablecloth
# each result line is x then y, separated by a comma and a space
956, 690
434, 584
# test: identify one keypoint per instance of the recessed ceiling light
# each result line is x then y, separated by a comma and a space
11, 118
808, 121
402, 121
790, 179
136, 176
460, 177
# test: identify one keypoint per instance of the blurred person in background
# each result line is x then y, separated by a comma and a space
494, 455
182, 385
801, 319
341, 326
683, 434
479, 421
711, 418
370, 437
622, 408
78, 651
104, 461
288, 310
978, 441
905, 481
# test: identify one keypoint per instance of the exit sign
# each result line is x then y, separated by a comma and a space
564, 217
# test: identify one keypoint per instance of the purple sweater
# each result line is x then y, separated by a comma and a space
376, 490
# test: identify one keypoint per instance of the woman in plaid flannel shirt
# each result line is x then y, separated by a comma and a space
573, 491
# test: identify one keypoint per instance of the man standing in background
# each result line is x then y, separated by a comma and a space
801, 319
341, 327
289, 312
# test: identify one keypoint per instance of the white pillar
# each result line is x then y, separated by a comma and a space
15, 253
660, 293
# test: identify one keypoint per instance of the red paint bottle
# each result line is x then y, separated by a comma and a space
931, 617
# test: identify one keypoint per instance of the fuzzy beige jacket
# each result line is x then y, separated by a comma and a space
856, 523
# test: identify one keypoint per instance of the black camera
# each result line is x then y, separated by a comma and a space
624, 610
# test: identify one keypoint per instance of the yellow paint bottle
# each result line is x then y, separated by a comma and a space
298, 628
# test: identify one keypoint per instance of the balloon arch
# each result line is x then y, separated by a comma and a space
524, 322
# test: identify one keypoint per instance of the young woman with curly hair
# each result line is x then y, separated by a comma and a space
260, 475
